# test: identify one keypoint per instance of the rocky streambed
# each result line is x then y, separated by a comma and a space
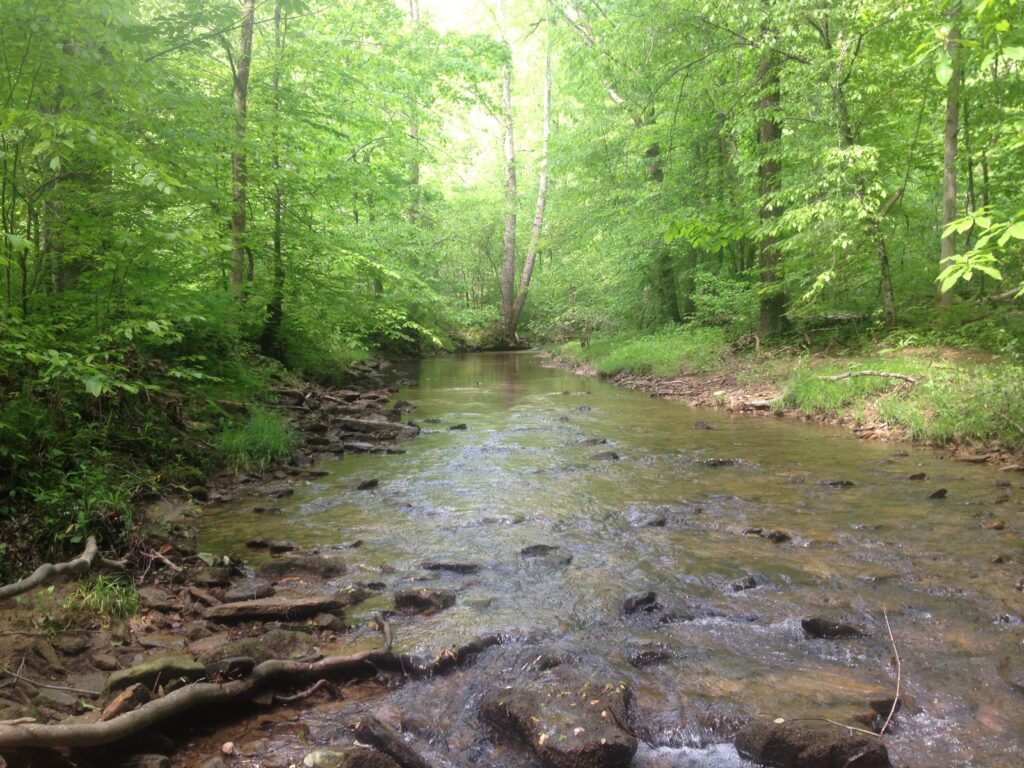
559, 573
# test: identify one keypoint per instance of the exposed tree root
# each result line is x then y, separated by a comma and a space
882, 374
268, 675
47, 572
372, 731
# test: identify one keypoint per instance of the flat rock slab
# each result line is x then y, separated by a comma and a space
251, 589
384, 430
810, 744
273, 609
315, 566
158, 672
569, 719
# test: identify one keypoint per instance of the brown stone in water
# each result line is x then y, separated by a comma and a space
273, 609
810, 744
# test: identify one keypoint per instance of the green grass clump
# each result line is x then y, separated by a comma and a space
664, 353
109, 596
255, 445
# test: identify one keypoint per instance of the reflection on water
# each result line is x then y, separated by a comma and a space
663, 519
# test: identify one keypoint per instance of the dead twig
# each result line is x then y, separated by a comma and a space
899, 675
18, 677
321, 683
882, 374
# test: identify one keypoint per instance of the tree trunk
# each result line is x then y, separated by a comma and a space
271, 341
508, 263
542, 193
239, 173
952, 129
769, 134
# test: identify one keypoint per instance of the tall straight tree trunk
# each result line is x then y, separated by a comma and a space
239, 171
952, 129
542, 195
769, 133
508, 262
271, 342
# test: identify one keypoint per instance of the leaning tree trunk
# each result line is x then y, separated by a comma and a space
952, 129
542, 194
239, 172
769, 134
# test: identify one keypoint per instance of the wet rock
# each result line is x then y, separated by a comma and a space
105, 662
657, 520
676, 616
367, 485
273, 609
452, 567
279, 493
917, 476
431, 421
348, 757
132, 697
329, 622
424, 600
71, 645
569, 719
809, 744
649, 655
214, 762
775, 536
838, 483
158, 672
155, 599
647, 601
147, 761
993, 525
605, 456
701, 425
310, 565
281, 546
719, 462
231, 668
457, 426
257, 543
582, 409
537, 550
275, 644
1011, 669
748, 582
820, 628
269, 511
251, 589
211, 576
595, 441
939, 494
554, 560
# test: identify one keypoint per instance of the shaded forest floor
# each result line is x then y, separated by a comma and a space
967, 403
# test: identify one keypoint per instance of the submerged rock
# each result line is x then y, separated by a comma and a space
594, 441
316, 566
424, 600
649, 655
819, 628
605, 456
348, 757
463, 568
810, 744
1011, 669
719, 462
568, 718
838, 483
274, 609
748, 582
775, 536
537, 550
647, 601
250, 589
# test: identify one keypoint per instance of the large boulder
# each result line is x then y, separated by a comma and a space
568, 718
810, 744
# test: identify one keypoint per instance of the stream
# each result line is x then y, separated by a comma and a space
664, 518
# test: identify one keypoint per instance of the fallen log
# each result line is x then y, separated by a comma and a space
882, 374
47, 572
275, 673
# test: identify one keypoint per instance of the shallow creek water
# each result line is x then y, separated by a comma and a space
520, 474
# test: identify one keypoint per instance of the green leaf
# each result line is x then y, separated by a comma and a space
1015, 52
1016, 231
990, 271
93, 385
206, 557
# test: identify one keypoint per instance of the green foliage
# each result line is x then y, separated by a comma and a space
665, 353
111, 597
264, 438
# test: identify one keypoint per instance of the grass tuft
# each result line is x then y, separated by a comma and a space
252, 447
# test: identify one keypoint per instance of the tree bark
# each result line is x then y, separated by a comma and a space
542, 194
239, 171
952, 129
508, 262
769, 134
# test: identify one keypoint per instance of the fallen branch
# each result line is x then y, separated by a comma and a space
305, 694
883, 374
268, 675
17, 677
899, 675
47, 572
372, 731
